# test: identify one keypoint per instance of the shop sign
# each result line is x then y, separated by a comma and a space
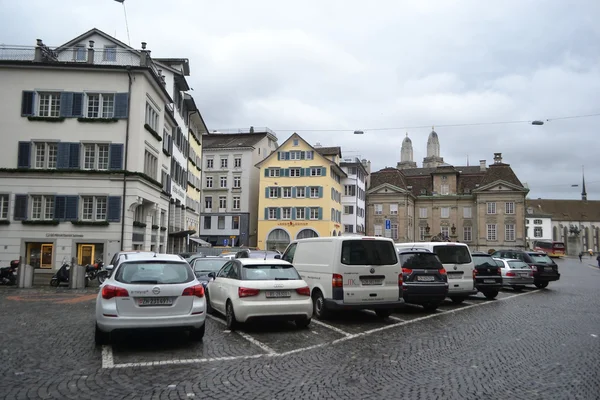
63, 235
291, 223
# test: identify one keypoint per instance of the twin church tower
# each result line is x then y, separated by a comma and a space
433, 158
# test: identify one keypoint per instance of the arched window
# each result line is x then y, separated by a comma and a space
306, 233
278, 239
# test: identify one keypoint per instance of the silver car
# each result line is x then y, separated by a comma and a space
515, 273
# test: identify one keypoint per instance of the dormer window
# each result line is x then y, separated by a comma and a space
110, 53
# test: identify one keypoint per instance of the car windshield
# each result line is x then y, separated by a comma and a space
484, 261
267, 272
209, 264
518, 265
154, 272
541, 258
420, 261
368, 252
453, 254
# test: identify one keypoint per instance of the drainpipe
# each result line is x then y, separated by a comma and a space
123, 202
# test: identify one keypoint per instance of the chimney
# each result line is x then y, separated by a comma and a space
38, 51
90, 58
482, 165
318, 145
497, 158
144, 55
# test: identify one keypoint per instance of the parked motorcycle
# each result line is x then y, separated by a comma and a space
103, 274
93, 270
63, 275
7, 274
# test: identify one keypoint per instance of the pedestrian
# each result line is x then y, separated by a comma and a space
598, 259
580, 256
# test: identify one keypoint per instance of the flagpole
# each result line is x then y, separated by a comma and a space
126, 23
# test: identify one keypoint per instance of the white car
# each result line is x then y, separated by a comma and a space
515, 273
248, 288
150, 291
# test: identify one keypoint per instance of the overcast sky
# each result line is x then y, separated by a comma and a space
344, 64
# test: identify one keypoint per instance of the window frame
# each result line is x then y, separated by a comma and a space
102, 98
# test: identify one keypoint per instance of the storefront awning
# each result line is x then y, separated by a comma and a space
200, 242
182, 233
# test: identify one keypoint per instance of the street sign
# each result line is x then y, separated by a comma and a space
388, 224
225, 242
232, 237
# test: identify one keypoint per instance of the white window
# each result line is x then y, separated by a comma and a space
210, 163
509, 207
93, 208
310, 155
393, 209
445, 212
395, 231
422, 233
491, 208
287, 192
237, 182
208, 202
236, 202
315, 171
272, 213
349, 190
79, 53
314, 192
378, 209
42, 207
296, 141
314, 213
348, 209
110, 53
422, 212
237, 162
295, 155
100, 105
444, 231
224, 162
49, 104
209, 181
45, 155
286, 213
378, 230
445, 189
274, 172
349, 228
295, 172
95, 156
222, 202
491, 231
509, 232
150, 165
300, 192
300, 213
223, 182
467, 212
273, 192
151, 117
467, 234
538, 232
221, 222
3, 206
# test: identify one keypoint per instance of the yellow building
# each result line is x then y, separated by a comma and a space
300, 194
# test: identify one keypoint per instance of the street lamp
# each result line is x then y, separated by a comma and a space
358, 132
537, 122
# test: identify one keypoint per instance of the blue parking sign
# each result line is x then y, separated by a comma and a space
225, 242
388, 224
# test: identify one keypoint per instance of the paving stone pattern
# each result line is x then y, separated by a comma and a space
539, 345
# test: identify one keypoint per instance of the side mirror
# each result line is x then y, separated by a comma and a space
277, 256
109, 267
212, 275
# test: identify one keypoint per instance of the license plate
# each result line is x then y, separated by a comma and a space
549, 271
524, 275
371, 282
278, 294
155, 301
489, 281
425, 278
454, 276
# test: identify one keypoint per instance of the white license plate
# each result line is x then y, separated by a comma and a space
454, 276
523, 274
155, 301
425, 278
371, 282
278, 293
489, 281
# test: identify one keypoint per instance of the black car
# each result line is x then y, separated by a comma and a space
487, 274
545, 270
424, 279
262, 254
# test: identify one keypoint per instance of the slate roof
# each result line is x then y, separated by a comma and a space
329, 151
226, 140
392, 176
502, 172
568, 210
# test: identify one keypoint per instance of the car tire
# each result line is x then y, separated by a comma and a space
232, 323
457, 300
197, 334
430, 307
491, 295
383, 313
101, 338
102, 275
541, 285
302, 323
209, 309
319, 309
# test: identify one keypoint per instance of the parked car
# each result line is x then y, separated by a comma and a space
189, 255
515, 273
247, 289
545, 270
487, 274
150, 291
424, 279
263, 254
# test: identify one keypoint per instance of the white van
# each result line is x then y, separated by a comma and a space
457, 261
346, 273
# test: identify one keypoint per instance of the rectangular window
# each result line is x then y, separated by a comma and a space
491, 231
378, 209
237, 162
295, 172
223, 182
207, 222
422, 212
348, 209
314, 192
95, 156
538, 232
349, 228
221, 222
45, 155
224, 162
3, 206
467, 212
237, 182
150, 165
110, 53
286, 213
310, 155
314, 213
79, 53
394, 231
491, 208
295, 155
151, 117
378, 230
349, 190
210, 163
93, 208
287, 192
300, 192
42, 207
49, 104
445, 189
422, 233
445, 212
393, 209
509, 232
236, 202
274, 172
273, 192
509, 207
444, 231
315, 171
100, 105
295, 142
300, 213
208, 202
272, 213
222, 203
235, 222
467, 234
209, 181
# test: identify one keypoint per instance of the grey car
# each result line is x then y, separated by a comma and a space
515, 273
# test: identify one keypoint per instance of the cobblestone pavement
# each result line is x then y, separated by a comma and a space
531, 345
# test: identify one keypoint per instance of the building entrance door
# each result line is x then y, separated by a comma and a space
46, 255
85, 254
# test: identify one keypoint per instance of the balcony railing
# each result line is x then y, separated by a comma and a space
254, 129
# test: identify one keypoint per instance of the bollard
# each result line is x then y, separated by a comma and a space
25, 276
77, 277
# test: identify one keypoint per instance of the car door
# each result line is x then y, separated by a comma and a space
231, 282
216, 288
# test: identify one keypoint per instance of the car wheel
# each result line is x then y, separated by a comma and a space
197, 334
232, 323
209, 309
491, 295
457, 300
319, 309
102, 275
541, 285
383, 314
430, 307
302, 323
100, 337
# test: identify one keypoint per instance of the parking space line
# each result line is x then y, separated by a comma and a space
397, 319
333, 328
216, 319
468, 303
256, 342
185, 361
107, 357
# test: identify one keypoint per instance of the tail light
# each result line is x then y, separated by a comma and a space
510, 273
400, 279
303, 291
533, 267
499, 271
407, 271
474, 273
109, 291
442, 271
337, 280
246, 292
197, 291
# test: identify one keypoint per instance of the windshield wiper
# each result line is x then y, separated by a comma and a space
148, 281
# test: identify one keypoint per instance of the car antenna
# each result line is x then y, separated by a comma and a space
265, 259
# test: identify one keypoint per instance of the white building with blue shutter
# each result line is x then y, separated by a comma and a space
354, 194
85, 172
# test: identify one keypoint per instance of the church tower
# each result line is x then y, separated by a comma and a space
433, 158
406, 155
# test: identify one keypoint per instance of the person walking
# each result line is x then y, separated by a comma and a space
598, 259
580, 256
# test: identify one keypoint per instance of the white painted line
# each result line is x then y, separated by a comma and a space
256, 342
107, 357
216, 319
186, 361
468, 303
593, 335
397, 319
333, 328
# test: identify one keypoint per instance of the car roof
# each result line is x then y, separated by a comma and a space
258, 261
513, 250
508, 259
342, 238
480, 253
150, 256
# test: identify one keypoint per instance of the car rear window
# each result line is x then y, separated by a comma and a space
484, 261
263, 255
154, 272
209, 265
420, 261
453, 254
518, 265
368, 252
541, 258
266, 272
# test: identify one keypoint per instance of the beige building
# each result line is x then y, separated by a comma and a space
478, 205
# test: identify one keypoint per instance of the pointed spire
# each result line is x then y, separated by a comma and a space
467, 160
583, 192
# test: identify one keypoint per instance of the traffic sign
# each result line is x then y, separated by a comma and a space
225, 242
388, 224
232, 237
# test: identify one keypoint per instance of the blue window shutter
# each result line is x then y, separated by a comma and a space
278, 155
293, 192
74, 155
307, 172
286, 172
20, 212
24, 155
28, 103
307, 192
320, 212
71, 208
266, 172
301, 171
169, 184
116, 157
266, 213
60, 206
324, 171
302, 155
267, 192
320, 191
121, 110
114, 209
66, 104
77, 110
307, 213
293, 212
278, 213
62, 157
279, 192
